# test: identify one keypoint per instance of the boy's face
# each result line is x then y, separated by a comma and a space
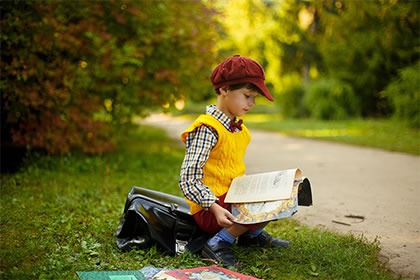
236, 103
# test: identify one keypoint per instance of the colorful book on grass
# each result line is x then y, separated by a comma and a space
146, 273
111, 275
150, 271
208, 272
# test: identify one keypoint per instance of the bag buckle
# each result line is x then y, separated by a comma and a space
180, 246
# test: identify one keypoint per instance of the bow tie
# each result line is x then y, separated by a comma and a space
233, 125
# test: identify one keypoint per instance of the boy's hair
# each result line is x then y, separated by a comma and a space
249, 86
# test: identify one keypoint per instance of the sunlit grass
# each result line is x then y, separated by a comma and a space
384, 134
328, 132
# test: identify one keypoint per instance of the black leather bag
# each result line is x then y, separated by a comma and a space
152, 217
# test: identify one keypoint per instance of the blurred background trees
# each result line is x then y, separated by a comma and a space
72, 69
333, 59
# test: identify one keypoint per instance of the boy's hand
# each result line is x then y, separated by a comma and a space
223, 217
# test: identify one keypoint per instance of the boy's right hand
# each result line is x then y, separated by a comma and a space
223, 217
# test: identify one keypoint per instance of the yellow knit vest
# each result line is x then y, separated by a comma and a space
225, 161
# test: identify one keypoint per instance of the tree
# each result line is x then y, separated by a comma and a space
362, 43
70, 67
404, 94
365, 43
279, 34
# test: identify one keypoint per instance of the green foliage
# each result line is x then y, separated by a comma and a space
291, 97
365, 43
59, 215
70, 66
404, 93
329, 99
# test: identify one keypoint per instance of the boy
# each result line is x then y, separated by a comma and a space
215, 147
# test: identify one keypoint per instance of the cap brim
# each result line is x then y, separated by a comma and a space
264, 90
256, 81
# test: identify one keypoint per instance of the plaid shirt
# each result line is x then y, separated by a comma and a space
199, 143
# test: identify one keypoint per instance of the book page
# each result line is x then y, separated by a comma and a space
163, 276
259, 212
263, 187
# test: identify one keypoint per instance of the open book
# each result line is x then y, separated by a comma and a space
268, 196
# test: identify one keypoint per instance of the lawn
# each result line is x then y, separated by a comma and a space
377, 133
59, 215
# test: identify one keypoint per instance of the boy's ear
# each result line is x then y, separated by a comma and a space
223, 90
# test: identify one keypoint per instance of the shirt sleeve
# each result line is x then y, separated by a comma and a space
198, 146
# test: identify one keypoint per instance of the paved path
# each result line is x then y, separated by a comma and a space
383, 187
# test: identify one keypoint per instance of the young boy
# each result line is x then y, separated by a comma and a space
215, 147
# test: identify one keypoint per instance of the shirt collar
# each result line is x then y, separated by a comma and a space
218, 115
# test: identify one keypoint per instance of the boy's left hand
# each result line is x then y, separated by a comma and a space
223, 217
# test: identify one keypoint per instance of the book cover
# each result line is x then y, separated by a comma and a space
210, 272
151, 272
111, 275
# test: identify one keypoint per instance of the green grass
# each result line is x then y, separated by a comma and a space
59, 215
383, 134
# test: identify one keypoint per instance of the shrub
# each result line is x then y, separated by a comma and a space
69, 66
290, 98
329, 99
404, 94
